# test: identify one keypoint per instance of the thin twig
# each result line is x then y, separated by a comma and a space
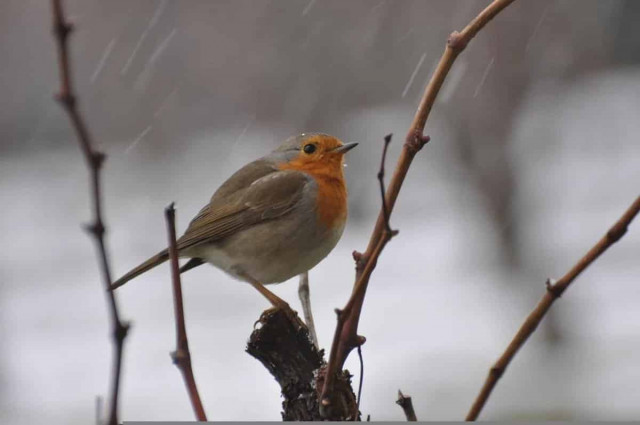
361, 380
94, 159
181, 357
346, 337
405, 402
305, 300
553, 291
385, 209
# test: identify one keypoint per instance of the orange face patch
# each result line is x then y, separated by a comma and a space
321, 155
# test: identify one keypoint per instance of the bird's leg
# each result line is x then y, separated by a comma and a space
305, 300
275, 300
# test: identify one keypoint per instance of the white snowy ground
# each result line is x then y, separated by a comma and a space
439, 310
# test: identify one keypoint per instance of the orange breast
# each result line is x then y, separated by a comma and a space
332, 190
332, 201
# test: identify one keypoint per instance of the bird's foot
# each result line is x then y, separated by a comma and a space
290, 313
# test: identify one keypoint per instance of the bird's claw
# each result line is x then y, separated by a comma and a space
291, 315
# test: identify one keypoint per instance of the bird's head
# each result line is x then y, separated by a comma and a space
315, 153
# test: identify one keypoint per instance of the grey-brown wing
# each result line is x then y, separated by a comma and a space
266, 198
243, 178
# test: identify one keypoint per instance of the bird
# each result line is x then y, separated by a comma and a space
273, 219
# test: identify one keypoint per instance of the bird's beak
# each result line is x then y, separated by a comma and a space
344, 148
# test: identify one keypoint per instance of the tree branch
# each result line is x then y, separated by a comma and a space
554, 291
288, 353
407, 406
94, 159
181, 357
385, 208
346, 337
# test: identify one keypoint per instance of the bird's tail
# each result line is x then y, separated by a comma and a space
156, 260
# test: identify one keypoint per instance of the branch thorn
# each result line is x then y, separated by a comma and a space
457, 42
552, 288
96, 229
66, 99
62, 29
121, 331
357, 256
616, 232
416, 141
98, 158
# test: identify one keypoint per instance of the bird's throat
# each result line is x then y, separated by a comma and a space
331, 201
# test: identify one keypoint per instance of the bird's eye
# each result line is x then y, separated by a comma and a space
310, 148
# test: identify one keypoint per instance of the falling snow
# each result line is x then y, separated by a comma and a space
308, 8
152, 22
543, 16
138, 139
413, 75
103, 60
484, 77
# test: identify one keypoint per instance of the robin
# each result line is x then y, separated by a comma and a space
275, 218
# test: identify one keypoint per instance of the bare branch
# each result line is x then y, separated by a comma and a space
346, 337
385, 209
553, 291
181, 357
405, 402
94, 159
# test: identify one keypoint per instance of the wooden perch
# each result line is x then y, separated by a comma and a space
288, 353
405, 402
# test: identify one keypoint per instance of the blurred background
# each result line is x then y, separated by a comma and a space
534, 154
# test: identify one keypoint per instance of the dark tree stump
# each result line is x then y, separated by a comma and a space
288, 353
